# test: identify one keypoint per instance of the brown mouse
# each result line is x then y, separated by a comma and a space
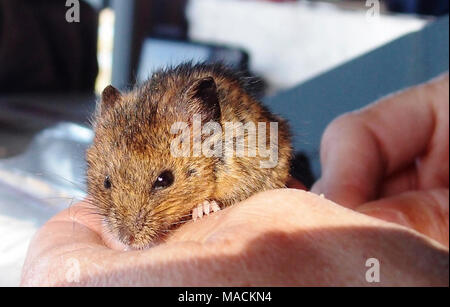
143, 187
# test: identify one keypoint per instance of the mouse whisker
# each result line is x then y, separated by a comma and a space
51, 174
180, 222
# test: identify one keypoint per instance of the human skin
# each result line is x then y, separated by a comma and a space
384, 202
391, 160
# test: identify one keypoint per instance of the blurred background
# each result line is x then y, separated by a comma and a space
316, 60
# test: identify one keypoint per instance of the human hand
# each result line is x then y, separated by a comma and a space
391, 159
277, 238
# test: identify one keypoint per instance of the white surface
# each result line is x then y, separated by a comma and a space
20, 217
36, 185
15, 235
292, 42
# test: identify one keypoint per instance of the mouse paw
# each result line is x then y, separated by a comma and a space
205, 208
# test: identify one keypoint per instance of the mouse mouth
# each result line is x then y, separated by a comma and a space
144, 247
162, 235
113, 239
178, 223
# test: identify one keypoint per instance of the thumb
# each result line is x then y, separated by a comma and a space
423, 211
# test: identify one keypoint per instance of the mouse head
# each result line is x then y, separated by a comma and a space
140, 188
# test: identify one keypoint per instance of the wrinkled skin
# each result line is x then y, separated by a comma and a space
389, 203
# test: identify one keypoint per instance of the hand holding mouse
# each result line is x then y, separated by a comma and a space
290, 237
276, 238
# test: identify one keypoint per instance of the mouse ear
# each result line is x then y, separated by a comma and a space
205, 92
110, 96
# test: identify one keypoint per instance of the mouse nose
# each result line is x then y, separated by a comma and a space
126, 235
140, 219
128, 232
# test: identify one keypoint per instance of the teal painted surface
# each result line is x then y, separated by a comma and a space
407, 61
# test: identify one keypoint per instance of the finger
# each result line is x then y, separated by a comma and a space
71, 230
424, 211
85, 213
401, 182
74, 224
317, 187
359, 149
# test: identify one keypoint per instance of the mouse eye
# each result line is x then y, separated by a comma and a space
164, 180
107, 183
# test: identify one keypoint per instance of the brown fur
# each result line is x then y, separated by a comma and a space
132, 147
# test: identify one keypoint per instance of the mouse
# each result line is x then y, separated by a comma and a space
191, 140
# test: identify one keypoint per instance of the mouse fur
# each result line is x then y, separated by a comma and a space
130, 158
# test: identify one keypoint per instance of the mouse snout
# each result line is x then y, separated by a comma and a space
140, 218
126, 235
131, 229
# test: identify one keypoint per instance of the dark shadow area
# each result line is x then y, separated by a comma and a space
41, 52
423, 7
301, 170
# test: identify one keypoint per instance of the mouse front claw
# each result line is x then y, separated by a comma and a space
205, 208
